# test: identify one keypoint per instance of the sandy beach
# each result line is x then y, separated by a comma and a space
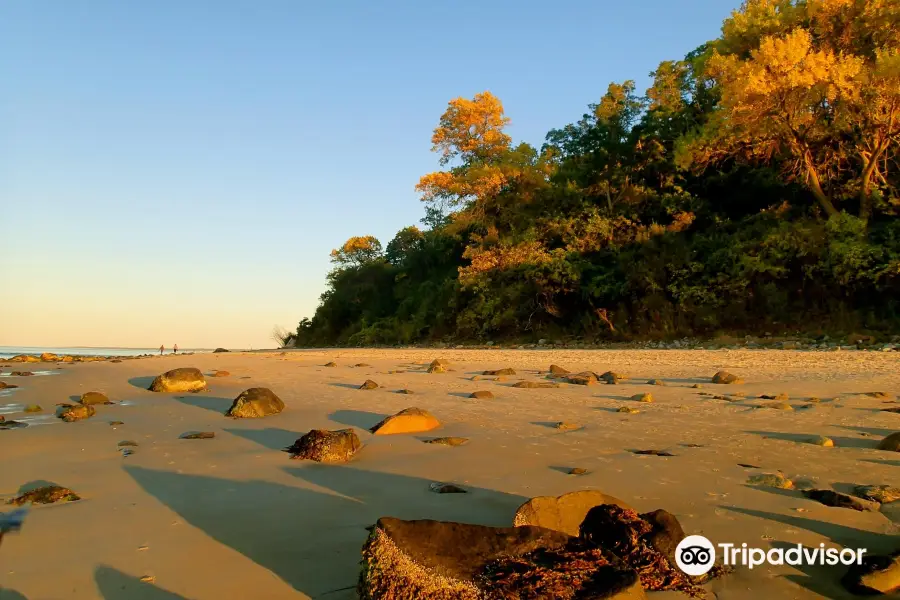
234, 517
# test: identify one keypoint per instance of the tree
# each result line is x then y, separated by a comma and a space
406, 241
357, 251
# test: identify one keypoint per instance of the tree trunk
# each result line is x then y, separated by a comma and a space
816, 188
865, 193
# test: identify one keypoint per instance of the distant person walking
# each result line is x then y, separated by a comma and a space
175, 349
161, 350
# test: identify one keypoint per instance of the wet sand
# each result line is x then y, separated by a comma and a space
234, 517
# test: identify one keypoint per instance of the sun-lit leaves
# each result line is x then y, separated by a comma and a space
356, 251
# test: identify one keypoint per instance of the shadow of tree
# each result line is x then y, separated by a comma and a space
310, 538
116, 585
270, 437
357, 418
142, 382
216, 404
848, 537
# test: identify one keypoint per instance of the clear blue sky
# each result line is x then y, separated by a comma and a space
177, 171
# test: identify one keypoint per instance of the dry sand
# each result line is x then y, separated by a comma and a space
234, 517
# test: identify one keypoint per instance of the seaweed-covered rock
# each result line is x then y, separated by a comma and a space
408, 420
198, 435
185, 379
878, 574
435, 560
91, 398
724, 377
775, 480
878, 493
448, 441
839, 500
48, 494
255, 402
535, 384
75, 412
562, 513
321, 445
643, 542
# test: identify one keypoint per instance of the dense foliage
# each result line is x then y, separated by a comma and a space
753, 187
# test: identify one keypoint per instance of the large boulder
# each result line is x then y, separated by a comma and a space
435, 560
326, 446
408, 420
217, 350
185, 379
891, 442
49, 357
255, 402
562, 513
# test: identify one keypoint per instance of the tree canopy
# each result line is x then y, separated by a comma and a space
753, 185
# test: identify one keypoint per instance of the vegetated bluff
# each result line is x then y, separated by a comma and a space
753, 187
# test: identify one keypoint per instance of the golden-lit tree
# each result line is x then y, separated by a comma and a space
356, 251
470, 132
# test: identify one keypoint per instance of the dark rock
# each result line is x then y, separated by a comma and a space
75, 412
434, 560
653, 452
891, 410
48, 494
362, 365
21, 373
217, 350
447, 488
839, 500
91, 398
7, 386
220, 374
185, 379
368, 384
115, 423
577, 471
891, 442
613, 377
330, 364
878, 574
4, 424
506, 371
326, 446
656, 382
448, 441
255, 402
581, 379
641, 543
628, 409
127, 443
198, 435
557, 370
405, 391
482, 395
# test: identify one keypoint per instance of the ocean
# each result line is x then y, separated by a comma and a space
10, 351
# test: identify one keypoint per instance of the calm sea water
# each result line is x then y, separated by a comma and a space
9, 351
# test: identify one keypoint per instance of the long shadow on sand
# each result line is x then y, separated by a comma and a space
270, 437
849, 537
213, 403
357, 418
802, 438
116, 585
820, 579
142, 382
311, 538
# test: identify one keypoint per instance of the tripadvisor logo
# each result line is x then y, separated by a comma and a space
696, 555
